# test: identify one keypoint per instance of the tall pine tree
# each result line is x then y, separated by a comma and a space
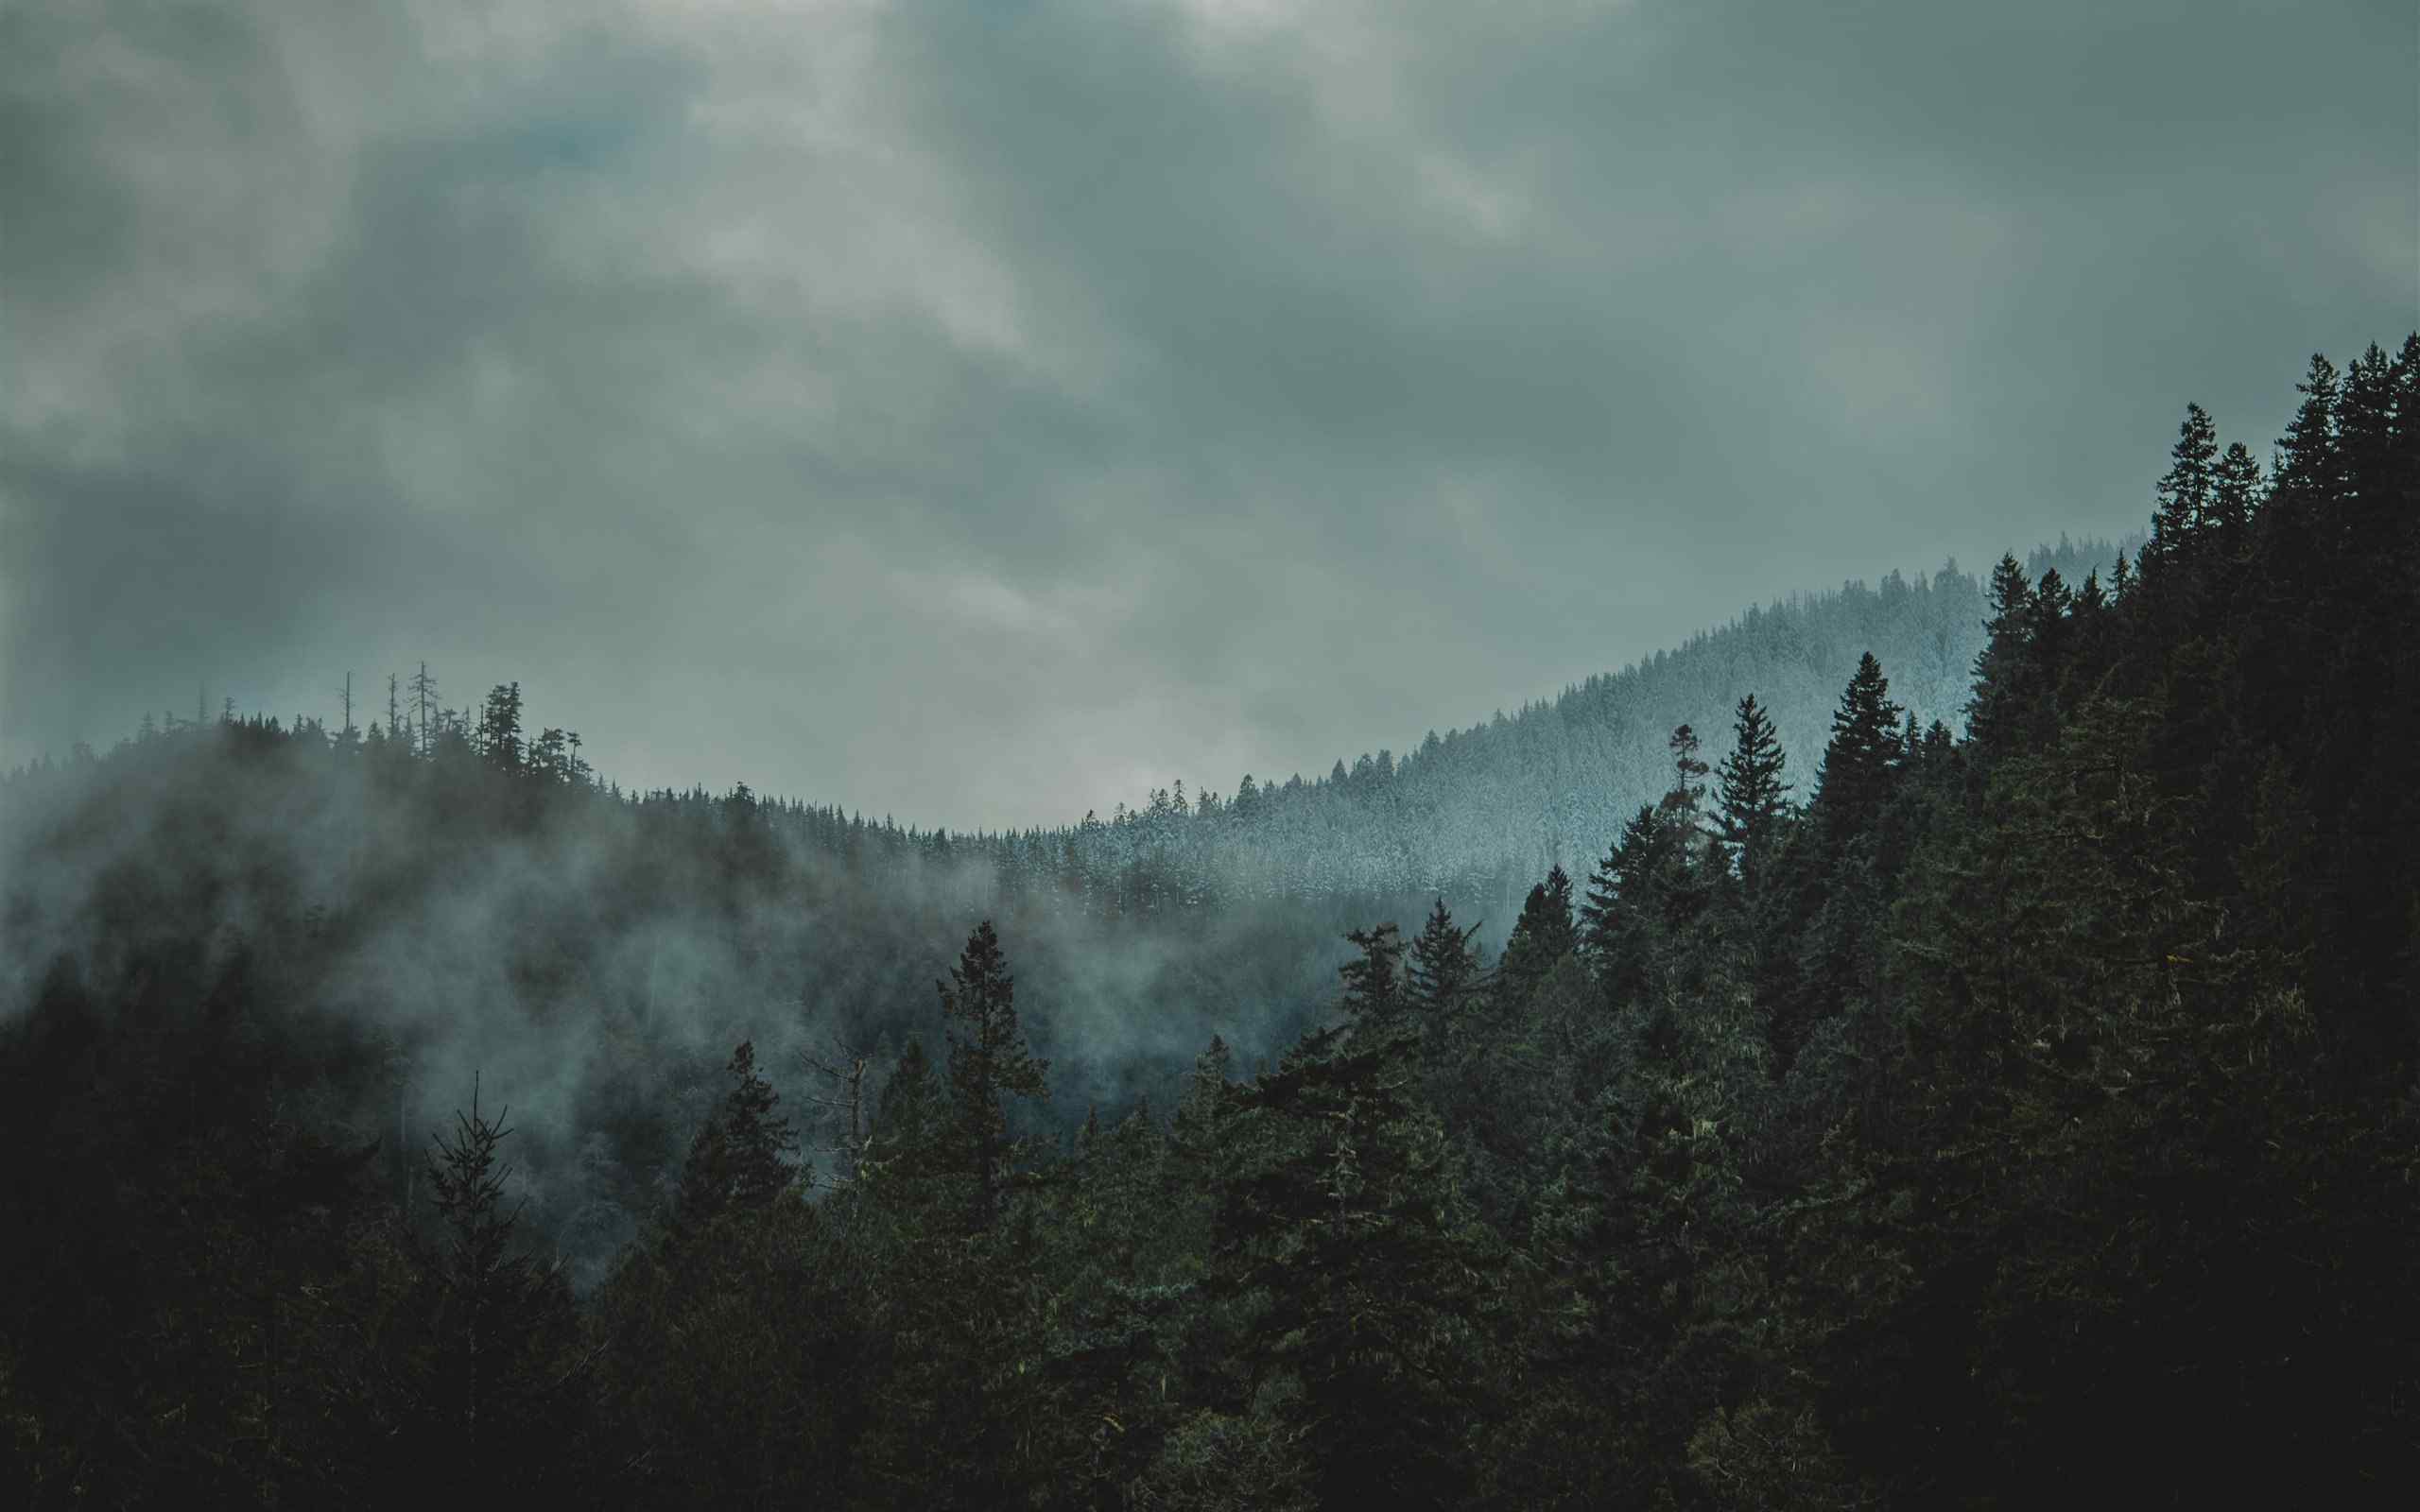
1855, 780
989, 1060
1751, 802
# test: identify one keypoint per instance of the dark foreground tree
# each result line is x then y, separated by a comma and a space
1752, 801
501, 1390
989, 1060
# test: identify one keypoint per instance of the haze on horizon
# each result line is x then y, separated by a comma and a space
984, 414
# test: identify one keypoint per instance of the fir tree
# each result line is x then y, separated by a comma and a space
1375, 996
1341, 1225
1856, 777
498, 1312
1685, 798
989, 1060
2235, 494
1752, 801
737, 1159
1642, 893
2000, 707
499, 730
1541, 937
2185, 493
1444, 966
2306, 456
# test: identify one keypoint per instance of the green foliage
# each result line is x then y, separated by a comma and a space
499, 1391
1375, 998
1753, 804
1444, 975
1854, 780
988, 1060
1543, 935
2039, 1114
1342, 1229
737, 1157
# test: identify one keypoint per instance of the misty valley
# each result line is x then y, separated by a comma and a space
1948, 1043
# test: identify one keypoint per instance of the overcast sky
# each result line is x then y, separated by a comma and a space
980, 412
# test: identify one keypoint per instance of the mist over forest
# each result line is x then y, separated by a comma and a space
470, 894
1209, 755
1946, 1101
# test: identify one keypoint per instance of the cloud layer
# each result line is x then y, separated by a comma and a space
982, 412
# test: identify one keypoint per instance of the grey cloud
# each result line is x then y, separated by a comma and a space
976, 412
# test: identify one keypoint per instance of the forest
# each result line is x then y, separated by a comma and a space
1947, 1046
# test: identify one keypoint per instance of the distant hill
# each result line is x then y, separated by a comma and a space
1484, 811
479, 899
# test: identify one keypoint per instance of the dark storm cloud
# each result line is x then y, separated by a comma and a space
979, 412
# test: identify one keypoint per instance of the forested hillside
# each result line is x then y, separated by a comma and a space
1477, 813
1985, 1099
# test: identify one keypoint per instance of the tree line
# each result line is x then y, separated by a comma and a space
1978, 1120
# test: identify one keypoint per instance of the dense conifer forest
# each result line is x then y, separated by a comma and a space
1950, 1045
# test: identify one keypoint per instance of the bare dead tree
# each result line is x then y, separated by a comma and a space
424, 700
841, 1068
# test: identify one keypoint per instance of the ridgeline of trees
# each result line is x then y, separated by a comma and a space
1998, 1121
1475, 814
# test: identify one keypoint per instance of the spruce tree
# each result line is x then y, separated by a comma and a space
2365, 433
2049, 643
1375, 995
2235, 494
1444, 966
500, 741
1998, 710
498, 1312
989, 1060
1343, 1231
1685, 798
2185, 494
736, 1160
1616, 912
2305, 454
1541, 937
1856, 778
1682, 863
1752, 801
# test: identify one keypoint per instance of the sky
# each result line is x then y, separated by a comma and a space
982, 412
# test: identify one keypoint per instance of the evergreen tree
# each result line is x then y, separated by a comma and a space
989, 1060
1684, 800
2306, 462
499, 730
499, 1321
1341, 1228
1375, 996
1444, 968
737, 1159
2050, 644
1856, 777
2235, 494
2000, 706
910, 1147
1542, 936
2184, 493
1687, 855
1752, 801
2094, 621
1617, 913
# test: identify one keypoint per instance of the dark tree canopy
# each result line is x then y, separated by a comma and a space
988, 1061
2033, 1112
